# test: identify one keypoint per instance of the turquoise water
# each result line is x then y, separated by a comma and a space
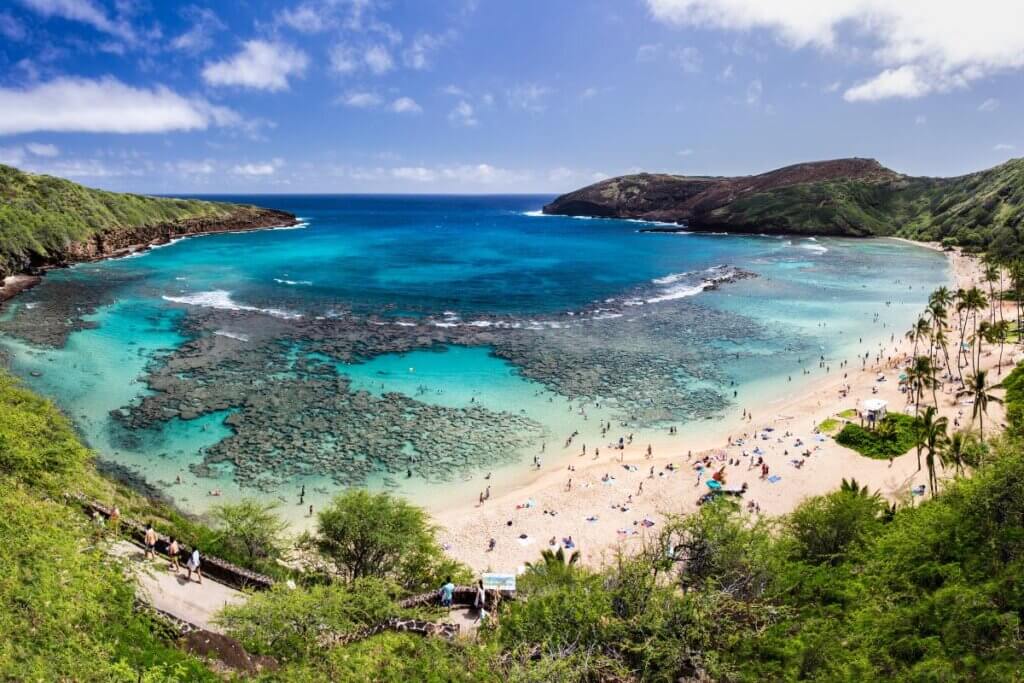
254, 363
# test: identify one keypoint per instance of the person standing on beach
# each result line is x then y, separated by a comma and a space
150, 539
193, 566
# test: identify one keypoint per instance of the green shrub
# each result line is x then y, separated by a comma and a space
893, 436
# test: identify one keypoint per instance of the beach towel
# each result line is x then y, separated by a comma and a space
774, 479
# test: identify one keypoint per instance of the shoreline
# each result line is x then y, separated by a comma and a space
592, 513
264, 219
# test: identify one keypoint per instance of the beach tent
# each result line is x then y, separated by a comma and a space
874, 409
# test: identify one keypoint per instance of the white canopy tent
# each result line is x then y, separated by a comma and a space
874, 409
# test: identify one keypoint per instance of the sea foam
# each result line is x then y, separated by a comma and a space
221, 299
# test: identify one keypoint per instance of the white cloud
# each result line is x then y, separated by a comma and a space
589, 93
647, 53
991, 104
305, 18
260, 168
1003, 147
422, 49
201, 167
905, 82
463, 114
920, 120
528, 96
344, 59
685, 152
727, 73
40, 149
84, 11
463, 174
833, 86
378, 59
754, 91
417, 174
688, 58
260, 65
924, 46
360, 100
405, 105
11, 28
105, 105
199, 37
454, 90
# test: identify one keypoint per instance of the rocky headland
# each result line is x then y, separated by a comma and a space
841, 197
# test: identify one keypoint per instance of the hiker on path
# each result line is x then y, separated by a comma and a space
193, 566
173, 549
150, 542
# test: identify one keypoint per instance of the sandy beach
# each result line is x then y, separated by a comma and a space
620, 496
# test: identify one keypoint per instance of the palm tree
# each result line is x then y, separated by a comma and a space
923, 427
933, 433
955, 451
999, 333
977, 388
921, 376
981, 335
919, 331
993, 274
854, 488
555, 563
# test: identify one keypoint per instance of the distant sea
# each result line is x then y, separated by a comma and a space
415, 343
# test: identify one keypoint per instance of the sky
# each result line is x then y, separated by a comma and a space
490, 96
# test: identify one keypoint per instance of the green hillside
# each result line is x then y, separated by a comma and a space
42, 217
844, 197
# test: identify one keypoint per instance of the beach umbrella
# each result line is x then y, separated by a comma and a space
713, 485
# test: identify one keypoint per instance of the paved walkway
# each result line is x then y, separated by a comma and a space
174, 594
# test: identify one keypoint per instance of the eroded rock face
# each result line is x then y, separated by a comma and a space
115, 242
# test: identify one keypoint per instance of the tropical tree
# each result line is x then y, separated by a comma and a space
378, 535
919, 332
992, 275
921, 376
977, 388
999, 333
555, 564
933, 439
956, 451
982, 334
250, 529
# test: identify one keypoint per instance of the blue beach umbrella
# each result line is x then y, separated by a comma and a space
713, 485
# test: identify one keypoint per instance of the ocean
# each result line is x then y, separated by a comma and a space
417, 343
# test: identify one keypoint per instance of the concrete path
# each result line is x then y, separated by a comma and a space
174, 594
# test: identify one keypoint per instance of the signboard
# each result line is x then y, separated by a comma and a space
502, 582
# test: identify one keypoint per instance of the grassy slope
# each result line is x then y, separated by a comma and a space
66, 609
41, 215
974, 210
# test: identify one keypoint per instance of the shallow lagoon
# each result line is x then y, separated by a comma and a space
527, 322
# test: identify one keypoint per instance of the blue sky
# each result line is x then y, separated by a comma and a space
494, 96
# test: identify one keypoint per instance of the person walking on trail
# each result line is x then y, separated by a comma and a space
150, 542
447, 593
193, 566
480, 601
173, 549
